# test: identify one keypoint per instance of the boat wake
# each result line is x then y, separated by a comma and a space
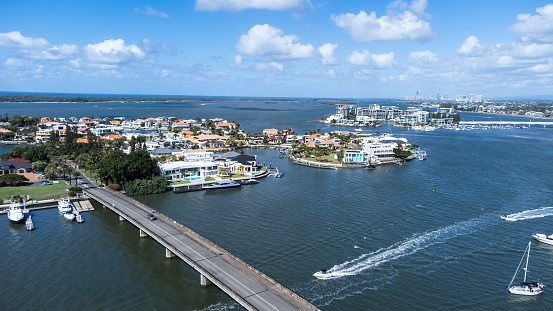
529, 214
398, 250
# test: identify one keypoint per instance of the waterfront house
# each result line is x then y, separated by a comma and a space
353, 157
196, 155
188, 170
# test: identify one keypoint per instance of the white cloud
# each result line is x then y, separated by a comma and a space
14, 39
113, 52
423, 57
14, 62
238, 60
539, 27
473, 47
365, 58
403, 25
268, 40
239, 5
418, 7
36, 48
152, 12
327, 51
270, 67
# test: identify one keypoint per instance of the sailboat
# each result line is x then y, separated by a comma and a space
525, 288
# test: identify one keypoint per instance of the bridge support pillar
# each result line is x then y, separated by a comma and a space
143, 234
169, 254
204, 282
121, 218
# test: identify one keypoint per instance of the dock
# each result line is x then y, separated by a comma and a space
83, 206
247, 285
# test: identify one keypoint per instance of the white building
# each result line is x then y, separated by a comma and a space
188, 170
381, 148
197, 155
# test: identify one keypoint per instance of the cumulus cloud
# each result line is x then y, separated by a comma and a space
402, 25
36, 48
239, 5
14, 39
385, 60
268, 40
327, 53
270, 67
113, 52
152, 12
538, 27
473, 47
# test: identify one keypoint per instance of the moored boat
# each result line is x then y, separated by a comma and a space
15, 213
64, 206
222, 185
69, 215
29, 224
247, 181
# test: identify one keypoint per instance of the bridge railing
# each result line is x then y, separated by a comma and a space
214, 245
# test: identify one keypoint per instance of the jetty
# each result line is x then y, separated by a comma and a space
248, 286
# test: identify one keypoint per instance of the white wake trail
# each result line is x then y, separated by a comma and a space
398, 250
533, 213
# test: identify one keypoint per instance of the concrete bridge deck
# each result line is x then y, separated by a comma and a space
245, 284
506, 123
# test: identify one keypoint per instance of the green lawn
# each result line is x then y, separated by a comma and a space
326, 159
35, 193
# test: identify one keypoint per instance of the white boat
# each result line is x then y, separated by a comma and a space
15, 213
29, 224
525, 288
69, 216
222, 185
508, 218
543, 238
64, 206
79, 218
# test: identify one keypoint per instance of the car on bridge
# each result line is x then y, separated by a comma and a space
152, 217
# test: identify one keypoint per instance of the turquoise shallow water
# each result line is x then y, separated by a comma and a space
426, 235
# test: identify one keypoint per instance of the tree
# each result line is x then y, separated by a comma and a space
12, 179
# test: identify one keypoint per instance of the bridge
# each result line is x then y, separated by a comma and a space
248, 286
529, 123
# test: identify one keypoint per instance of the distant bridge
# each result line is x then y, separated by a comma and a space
248, 286
529, 123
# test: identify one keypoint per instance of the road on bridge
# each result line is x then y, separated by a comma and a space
247, 285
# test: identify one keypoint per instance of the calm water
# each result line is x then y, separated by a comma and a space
426, 235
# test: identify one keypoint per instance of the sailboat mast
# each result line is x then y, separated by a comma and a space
527, 258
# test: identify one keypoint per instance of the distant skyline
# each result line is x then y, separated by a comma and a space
278, 48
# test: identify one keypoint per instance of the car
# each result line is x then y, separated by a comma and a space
45, 183
152, 217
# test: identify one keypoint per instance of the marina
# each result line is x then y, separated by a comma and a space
397, 229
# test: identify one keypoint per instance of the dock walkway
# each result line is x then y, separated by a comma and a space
248, 286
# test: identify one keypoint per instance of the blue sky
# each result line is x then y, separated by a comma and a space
278, 48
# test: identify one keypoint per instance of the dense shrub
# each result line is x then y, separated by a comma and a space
157, 184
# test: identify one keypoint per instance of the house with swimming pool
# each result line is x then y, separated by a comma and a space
188, 170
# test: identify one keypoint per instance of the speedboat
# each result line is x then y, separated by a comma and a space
64, 206
222, 185
69, 215
525, 288
543, 238
508, 218
15, 213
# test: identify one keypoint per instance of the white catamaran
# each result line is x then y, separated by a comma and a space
525, 288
